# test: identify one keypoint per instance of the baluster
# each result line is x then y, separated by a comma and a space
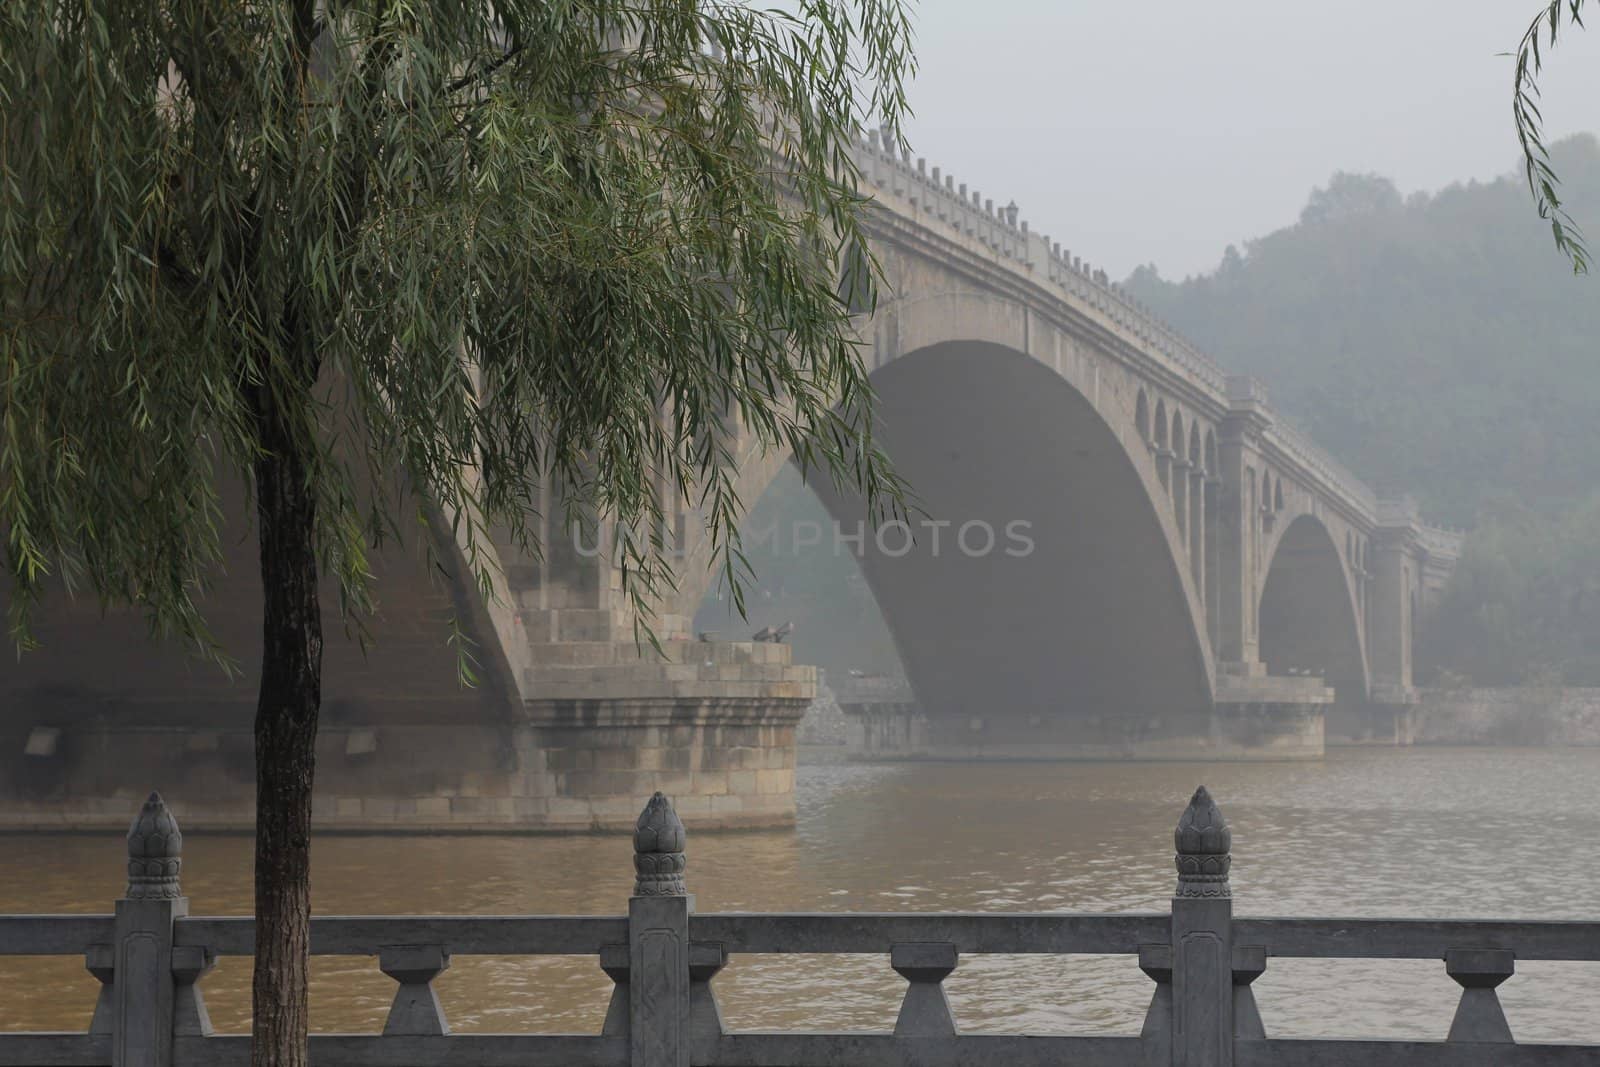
190, 963
100, 961
706, 958
1156, 962
1249, 963
926, 1010
658, 941
416, 1009
1202, 935
1478, 971
614, 961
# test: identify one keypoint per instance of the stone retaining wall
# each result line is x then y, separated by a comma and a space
1511, 716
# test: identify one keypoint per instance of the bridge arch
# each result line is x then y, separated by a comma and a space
1086, 610
1094, 617
1307, 608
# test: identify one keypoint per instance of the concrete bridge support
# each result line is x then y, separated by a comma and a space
613, 715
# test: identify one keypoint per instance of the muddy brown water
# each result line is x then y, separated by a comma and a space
1493, 833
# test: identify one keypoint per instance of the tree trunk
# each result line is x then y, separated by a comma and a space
285, 741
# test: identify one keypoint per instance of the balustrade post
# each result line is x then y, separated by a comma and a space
1249, 963
1156, 962
1202, 938
416, 1010
658, 941
142, 953
614, 961
925, 1012
1479, 1016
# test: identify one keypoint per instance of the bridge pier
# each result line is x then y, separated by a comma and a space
713, 721
1255, 716
611, 716
1268, 716
1390, 718
884, 719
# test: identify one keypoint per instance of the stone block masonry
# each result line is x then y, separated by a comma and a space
1522, 715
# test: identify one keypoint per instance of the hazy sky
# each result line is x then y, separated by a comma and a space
1161, 130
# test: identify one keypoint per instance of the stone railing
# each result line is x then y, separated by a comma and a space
1441, 541
1310, 455
938, 199
150, 955
873, 689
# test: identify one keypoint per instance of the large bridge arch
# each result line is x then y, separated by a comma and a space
1094, 639
990, 331
1055, 609
1309, 614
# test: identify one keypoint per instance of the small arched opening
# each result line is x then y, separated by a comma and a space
1307, 612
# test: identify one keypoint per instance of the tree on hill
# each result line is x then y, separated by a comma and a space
1350, 196
1524, 604
344, 252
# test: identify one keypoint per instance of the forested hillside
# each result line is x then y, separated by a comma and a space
1438, 344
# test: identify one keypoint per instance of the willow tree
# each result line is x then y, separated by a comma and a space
1543, 182
356, 255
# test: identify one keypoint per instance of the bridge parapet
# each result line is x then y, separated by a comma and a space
1313, 458
1442, 543
1002, 232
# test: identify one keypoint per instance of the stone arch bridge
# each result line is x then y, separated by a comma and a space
1122, 552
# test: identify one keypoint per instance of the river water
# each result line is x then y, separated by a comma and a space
1502, 833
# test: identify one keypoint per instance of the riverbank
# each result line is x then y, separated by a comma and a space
1524, 715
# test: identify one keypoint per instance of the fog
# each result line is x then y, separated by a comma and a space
1163, 131
1237, 416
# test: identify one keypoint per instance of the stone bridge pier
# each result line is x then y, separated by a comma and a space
612, 714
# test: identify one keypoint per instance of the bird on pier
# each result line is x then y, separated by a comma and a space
706, 636
783, 631
763, 634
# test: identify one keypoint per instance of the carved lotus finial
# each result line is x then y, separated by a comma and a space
658, 858
1202, 841
155, 852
